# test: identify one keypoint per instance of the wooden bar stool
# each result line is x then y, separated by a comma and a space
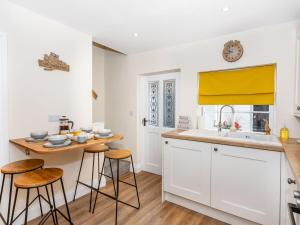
12, 169
118, 155
95, 149
41, 178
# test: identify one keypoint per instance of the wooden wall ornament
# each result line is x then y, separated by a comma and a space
52, 62
94, 94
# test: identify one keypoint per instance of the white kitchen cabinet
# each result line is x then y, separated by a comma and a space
186, 169
297, 77
246, 183
289, 186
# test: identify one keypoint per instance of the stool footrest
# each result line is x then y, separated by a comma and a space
127, 183
30, 205
89, 186
44, 219
107, 195
49, 214
105, 175
114, 198
63, 215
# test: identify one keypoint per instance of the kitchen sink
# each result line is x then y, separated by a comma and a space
234, 136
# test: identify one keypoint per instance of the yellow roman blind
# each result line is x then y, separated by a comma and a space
246, 86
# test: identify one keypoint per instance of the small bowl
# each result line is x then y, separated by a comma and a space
76, 132
39, 134
82, 138
104, 132
57, 139
86, 129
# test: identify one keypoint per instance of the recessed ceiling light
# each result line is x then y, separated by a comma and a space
225, 9
135, 34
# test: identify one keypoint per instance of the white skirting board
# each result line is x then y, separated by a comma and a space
206, 210
137, 168
34, 210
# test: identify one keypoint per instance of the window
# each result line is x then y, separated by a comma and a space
249, 117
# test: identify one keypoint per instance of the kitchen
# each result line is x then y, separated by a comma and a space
33, 94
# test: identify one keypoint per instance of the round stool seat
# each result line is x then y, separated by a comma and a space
38, 178
118, 154
96, 148
22, 166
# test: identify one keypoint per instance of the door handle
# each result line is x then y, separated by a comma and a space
291, 181
144, 122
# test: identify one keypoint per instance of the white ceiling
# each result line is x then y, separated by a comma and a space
162, 23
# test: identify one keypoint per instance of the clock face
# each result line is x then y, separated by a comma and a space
233, 51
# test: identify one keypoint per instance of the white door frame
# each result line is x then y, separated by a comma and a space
142, 110
4, 150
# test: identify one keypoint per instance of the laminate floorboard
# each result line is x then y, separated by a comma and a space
152, 211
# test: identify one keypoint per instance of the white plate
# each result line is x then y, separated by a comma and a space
30, 139
49, 145
97, 136
74, 138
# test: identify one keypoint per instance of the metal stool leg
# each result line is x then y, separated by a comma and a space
26, 211
50, 205
137, 192
53, 199
78, 175
99, 185
112, 177
14, 206
68, 211
9, 200
2, 186
98, 166
117, 195
92, 181
38, 192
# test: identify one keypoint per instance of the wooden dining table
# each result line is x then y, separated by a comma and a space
37, 147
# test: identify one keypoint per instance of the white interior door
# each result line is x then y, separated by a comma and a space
159, 103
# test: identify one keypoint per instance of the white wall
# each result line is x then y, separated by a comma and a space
274, 44
119, 93
98, 84
35, 93
4, 100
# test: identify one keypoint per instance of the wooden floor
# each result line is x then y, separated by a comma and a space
152, 211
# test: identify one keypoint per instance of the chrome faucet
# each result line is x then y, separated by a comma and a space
220, 119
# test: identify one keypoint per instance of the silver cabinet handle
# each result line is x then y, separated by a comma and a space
291, 181
296, 194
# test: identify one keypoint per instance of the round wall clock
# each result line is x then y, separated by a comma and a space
233, 51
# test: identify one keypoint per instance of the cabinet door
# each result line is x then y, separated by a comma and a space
297, 81
289, 193
246, 183
186, 169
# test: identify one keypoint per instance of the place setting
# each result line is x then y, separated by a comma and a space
56, 141
80, 136
38, 136
103, 133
